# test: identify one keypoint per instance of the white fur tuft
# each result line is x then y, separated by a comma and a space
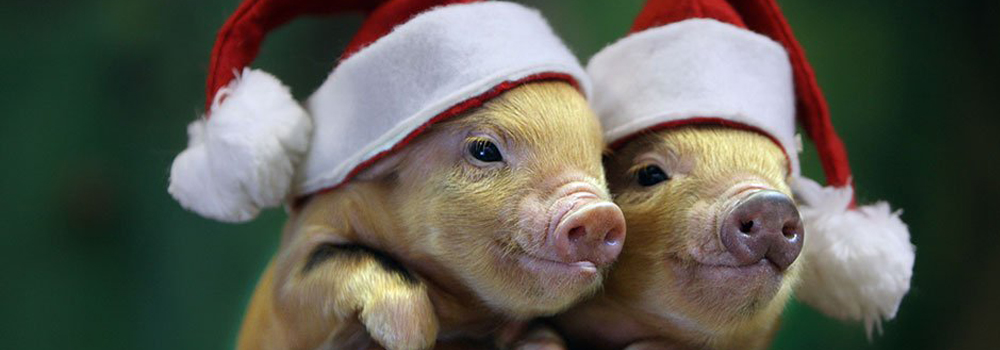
857, 262
243, 157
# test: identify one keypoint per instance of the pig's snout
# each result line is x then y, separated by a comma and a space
765, 225
592, 229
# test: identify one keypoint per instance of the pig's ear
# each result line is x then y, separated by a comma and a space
242, 156
382, 168
858, 260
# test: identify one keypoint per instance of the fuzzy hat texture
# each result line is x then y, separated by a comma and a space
411, 64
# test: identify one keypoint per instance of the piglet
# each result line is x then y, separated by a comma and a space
701, 104
714, 241
493, 217
443, 182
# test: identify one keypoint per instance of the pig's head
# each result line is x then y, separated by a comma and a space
714, 232
510, 199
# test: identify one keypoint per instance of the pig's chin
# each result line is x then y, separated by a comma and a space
541, 286
729, 289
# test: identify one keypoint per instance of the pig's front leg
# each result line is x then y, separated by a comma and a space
324, 288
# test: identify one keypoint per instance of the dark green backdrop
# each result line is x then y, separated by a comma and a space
96, 95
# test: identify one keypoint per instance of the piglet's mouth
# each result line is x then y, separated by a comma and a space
727, 289
546, 266
763, 268
762, 276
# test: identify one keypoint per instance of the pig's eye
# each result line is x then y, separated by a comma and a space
485, 151
650, 175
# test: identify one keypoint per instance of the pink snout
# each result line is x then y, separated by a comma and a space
592, 229
765, 225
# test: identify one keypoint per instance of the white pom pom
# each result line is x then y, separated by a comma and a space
243, 157
857, 263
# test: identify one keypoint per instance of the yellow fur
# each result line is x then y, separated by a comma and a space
452, 223
667, 221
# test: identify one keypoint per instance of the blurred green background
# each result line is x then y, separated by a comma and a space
96, 96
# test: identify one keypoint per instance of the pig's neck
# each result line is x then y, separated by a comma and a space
612, 323
604, 323
461, 313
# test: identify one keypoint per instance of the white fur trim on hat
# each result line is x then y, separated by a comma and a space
690, 69
858, 262
242, 158
377, 97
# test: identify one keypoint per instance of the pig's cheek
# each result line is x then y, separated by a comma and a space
532, 222
701, 235
475, 217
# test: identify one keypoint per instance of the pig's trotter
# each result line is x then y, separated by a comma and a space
352, 283
392, 304
400, 318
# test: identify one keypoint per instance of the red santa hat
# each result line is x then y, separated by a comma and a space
412, 63
737, 64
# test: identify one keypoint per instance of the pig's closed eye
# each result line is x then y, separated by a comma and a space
485, 151
650, 175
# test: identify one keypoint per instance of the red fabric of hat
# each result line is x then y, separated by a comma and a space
412, 63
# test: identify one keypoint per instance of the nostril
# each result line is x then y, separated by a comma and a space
790, 231
746, 226
576, 233
612, 237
